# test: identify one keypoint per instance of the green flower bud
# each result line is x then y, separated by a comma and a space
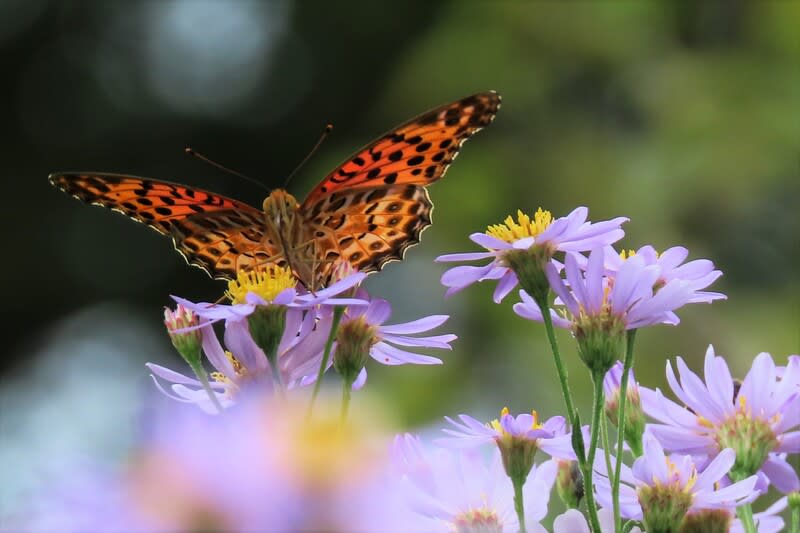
354, 339
601, 341
569, 483
188, 343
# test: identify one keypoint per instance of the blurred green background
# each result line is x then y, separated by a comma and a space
683, 116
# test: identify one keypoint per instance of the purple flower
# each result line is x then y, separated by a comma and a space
756, 420
598, 308
551, 437
699, 273
272, 287
260, 467
627, 297
539, 238
245, 365
462, 491
661, 490
381, 342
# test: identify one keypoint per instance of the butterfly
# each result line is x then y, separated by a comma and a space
368, 211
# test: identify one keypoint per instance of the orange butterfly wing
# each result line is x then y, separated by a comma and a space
375, 205
417, 152
215, 233
368, 211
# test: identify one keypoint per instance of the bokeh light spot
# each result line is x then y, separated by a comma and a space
209, 57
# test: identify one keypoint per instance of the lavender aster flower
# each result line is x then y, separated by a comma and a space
519, 250
699, 273
299, 354
459, 491
755, 421
262, 298
274, 286
551, 437
660, 490
600, 308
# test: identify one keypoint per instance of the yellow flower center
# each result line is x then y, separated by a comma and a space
238, 368
511, 230
627, 254
750, 434
266, 283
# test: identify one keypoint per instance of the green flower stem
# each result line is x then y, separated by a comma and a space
519, 504
563, 378
202, 376
597, 409
623, 400
586, 470
338, 311
795, 520
745, 513
272, 358
347, 389
606, 444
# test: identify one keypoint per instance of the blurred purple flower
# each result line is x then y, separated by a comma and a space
755, 421
245, 365
261, 467
461, 491
542, 236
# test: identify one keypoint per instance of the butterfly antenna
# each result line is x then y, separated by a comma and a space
325, 132
213, 163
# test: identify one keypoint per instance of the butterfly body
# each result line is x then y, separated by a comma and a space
366, 212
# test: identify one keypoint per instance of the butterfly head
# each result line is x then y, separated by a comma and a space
280, 207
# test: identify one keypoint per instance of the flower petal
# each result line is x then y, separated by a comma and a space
467, 256
214, 352
781, 474
720, 466
416, 326
489, 242
506, 284
389, 355
435, 341
171, 375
